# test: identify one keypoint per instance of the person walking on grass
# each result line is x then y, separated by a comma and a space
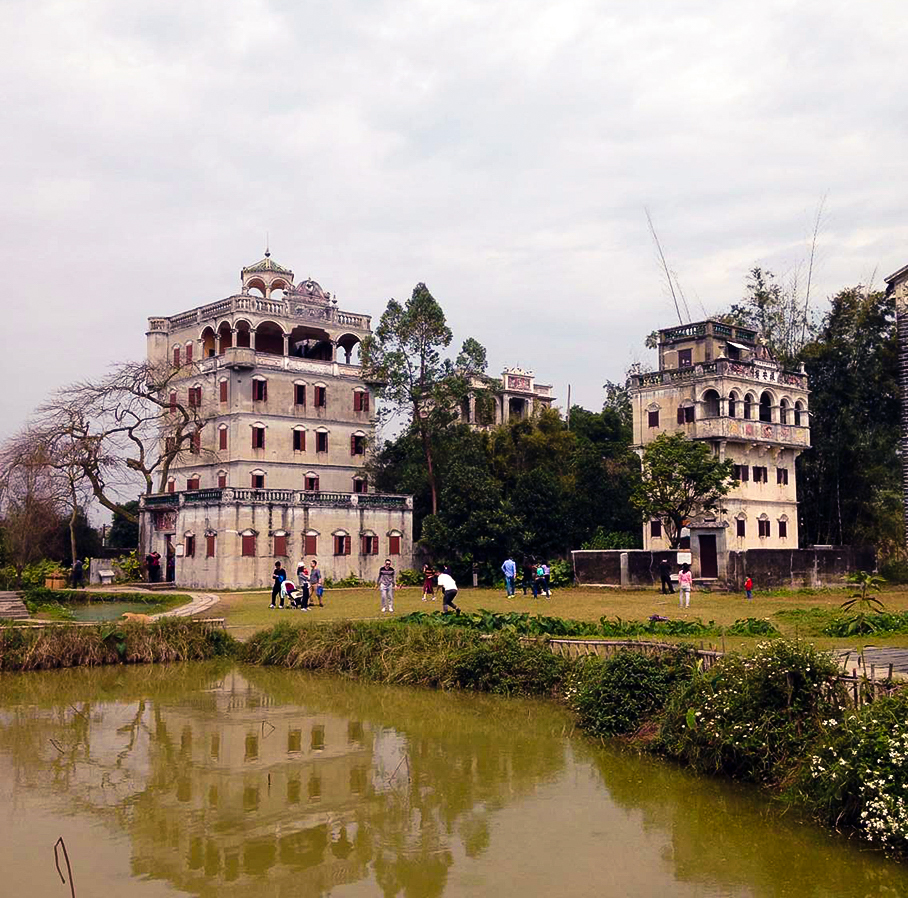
665, 574
278, 576
749, 589
386, 586
509, 569
316, 589
428, 583
685, 582
446, 582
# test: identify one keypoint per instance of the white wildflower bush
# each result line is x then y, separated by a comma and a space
857, 774
753, 716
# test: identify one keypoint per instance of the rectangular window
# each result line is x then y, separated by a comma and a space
341, 545
763, 528
299, 394
654, 419
209, 545
360, 401
299, 440
394, 545
783, 529
311, 484
222, 481
280, 546
359, 485
188, 353
173, 401
321, 441
189, 546
192, 483
223, 389
176, 356
222, 438
684, 358
357, 445
655, 529
259, 390
369, 545
195, 397
249, 546
761, 474
195, 445
742, 527
258, 437
310, 544
688, 414
171, 486
742, 473
321, 397
680, 414
782, 476
258, 481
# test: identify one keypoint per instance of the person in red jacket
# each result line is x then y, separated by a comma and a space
749, 589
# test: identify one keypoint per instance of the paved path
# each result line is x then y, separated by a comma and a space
199, 601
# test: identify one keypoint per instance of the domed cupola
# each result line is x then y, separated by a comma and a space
312, 291
266, 276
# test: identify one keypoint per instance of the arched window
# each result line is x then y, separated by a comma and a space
784, 406
748, 405
207, 343
732, 404
766, 407
341, 542
225, 335
799, 408
711, 403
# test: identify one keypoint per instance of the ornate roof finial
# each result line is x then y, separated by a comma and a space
267, 245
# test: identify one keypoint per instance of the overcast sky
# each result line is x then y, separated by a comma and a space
501, 152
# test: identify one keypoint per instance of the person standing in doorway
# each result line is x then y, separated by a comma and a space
386, 586
665, 574
447, 584
749, 589
685, 582
317, 590
277, 577
509, 569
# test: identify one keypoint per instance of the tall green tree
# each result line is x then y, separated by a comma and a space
404, 356
681, 479
850, 479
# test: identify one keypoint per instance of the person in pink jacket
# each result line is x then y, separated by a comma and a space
685, 582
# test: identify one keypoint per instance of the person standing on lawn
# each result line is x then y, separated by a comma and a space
386, 586
529, 576
749, 589
665, 574
685, 582
446, 582
279, 576
509, 569
317, 590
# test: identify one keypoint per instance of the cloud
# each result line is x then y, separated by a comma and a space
501, 152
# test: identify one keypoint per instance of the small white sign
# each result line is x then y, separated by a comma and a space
684, 558
180, 550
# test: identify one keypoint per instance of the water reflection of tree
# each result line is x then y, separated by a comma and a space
463, 757
728, 835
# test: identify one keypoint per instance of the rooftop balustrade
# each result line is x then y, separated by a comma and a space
756, 371
276, 497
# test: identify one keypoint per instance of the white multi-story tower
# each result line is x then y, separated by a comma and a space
718, 383
278, 471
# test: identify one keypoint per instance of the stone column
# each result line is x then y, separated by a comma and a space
252, 338
286, 344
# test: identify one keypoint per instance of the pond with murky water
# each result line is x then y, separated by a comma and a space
222, 780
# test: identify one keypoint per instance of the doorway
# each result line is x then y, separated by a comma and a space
709, 560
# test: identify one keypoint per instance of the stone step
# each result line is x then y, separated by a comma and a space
11, 606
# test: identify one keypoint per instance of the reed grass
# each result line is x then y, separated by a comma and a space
164, 641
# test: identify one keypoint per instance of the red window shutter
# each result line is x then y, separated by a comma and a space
363, 546
347, 541
176, 357
171, 486
310, 544
196, 443
280, 546
192, 483
364, 401
375, 545
209, 545
222, 438
394, 545
223, 391
188, 353
249, 546
680, 414
222, 481
302, 440
264, 391
353, 445
357, 402
173, 402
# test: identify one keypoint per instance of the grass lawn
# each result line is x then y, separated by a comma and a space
249, 611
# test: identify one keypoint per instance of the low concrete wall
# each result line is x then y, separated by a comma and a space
769, 568
812, 567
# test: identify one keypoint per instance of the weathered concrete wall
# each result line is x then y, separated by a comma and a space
603, 566
772, 568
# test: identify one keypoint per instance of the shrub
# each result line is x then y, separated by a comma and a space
752, 716
410, 578
612, 539
858, 774
615, 696
351, 581
752, 626
561, 574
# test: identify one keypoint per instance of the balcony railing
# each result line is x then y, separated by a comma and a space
738, 429
755, 371
277, 497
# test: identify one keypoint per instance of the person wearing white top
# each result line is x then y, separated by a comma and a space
446, 582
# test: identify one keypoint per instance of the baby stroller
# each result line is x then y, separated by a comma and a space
297, 598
